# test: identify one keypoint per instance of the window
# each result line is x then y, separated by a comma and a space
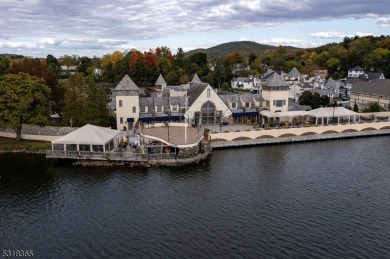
121, 120
247, 105
267, 103
279, 103
234, 105
142, 108
134, 109
174, 108
208, 113
159, 108
208, 93
120, 103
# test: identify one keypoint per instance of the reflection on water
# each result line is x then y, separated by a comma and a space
324, 199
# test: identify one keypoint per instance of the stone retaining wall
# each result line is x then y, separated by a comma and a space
188, 152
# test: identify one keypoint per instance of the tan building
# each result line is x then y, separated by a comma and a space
275, 93
126, 103
322, 72
364, 93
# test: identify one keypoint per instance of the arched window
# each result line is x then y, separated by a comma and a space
208, 113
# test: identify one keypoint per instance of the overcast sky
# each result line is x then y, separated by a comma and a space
96, 27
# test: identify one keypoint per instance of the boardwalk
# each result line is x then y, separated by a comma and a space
296, 139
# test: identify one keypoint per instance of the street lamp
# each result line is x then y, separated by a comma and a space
220, 121
167, 124
334, 107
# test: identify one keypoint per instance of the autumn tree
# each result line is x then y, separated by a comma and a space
23, 99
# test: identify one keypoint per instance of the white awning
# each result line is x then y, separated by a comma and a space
293, 114
332, 112
89, 135
269, 114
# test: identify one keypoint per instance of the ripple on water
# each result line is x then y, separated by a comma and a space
289, 201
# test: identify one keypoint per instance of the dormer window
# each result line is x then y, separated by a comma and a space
174, 108
234, 105
247, 105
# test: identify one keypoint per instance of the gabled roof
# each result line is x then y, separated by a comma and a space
275, 80
357, 68
126, 84
294, 73
195, 91
196, 80
330, 84
372, 76
379, 87
160, 80
88, 135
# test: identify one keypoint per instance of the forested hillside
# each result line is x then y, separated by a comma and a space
370, 53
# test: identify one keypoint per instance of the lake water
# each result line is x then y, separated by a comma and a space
311, 200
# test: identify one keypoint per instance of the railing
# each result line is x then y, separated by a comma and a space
117, 156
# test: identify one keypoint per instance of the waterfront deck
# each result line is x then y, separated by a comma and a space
296, 139
174, 135
109, 156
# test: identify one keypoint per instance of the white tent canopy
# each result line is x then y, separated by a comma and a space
333, 112
89, 135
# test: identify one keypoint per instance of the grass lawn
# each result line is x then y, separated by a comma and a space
10, 144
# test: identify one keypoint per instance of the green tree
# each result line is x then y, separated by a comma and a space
355, 108
313, 100
23, 99
84, 63
84, 102
5, 64
373, 107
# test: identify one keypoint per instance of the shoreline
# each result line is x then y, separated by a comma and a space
218, 145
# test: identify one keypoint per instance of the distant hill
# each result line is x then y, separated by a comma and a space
12, 56
247, 47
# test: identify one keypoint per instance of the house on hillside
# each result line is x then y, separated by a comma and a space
294, 75
356, 72
247, 83
321, 72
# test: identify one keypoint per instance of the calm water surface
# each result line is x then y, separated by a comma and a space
311, 200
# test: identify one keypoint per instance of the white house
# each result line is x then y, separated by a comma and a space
246, 83
356, 72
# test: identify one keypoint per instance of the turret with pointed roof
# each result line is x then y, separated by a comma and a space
126, 103
275, 80
160, 81
275, 93
126, 87
196, 80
